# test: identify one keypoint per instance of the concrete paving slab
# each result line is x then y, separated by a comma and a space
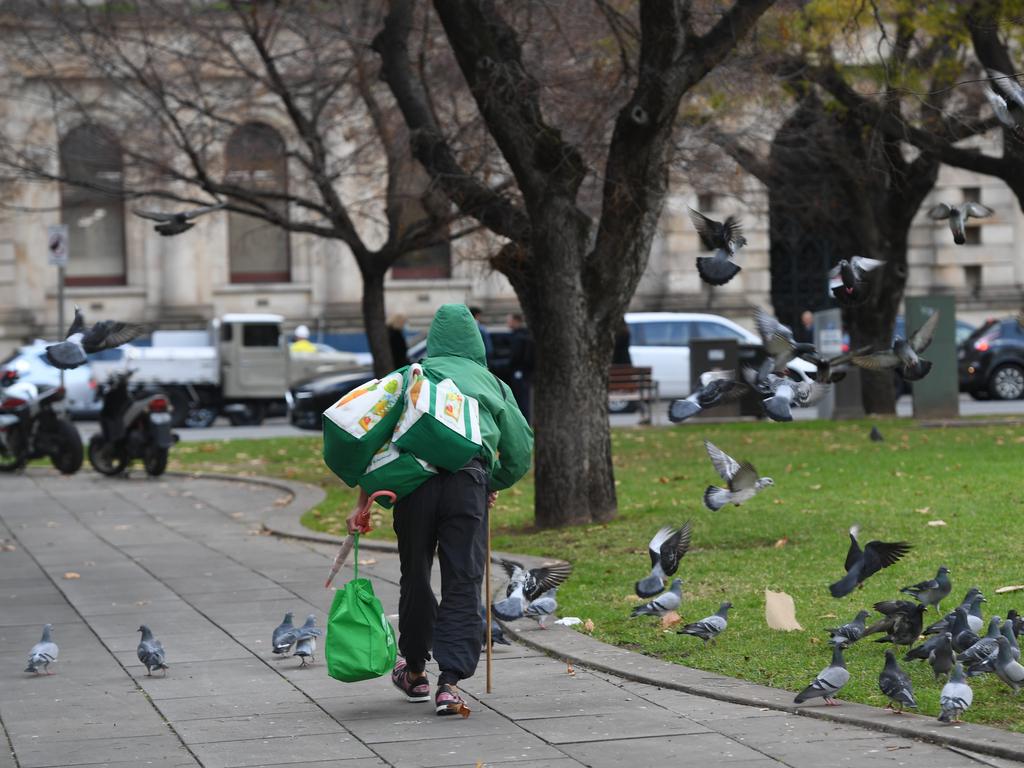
418, 722
459, 750
279, 751
42, 753
310, 721
634, 723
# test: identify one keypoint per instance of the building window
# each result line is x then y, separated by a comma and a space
257, 249
971, 194
972, 279
972, 235
92, 206
433, 262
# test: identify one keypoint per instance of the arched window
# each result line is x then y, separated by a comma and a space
257, 250
92, 207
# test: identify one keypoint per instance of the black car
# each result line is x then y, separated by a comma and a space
991, 361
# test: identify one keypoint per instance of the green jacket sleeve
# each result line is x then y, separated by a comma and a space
515, 446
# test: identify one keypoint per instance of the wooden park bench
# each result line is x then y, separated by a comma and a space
632, 384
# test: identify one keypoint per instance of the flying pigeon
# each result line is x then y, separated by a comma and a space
902, 623
666, 549
778, 340
972, 601
721, 389
710, 627
876, 436
497, 634
956, 697
284, 635
542, 607
860, 565
1009, 671
743, 481
525, 586
980, 650
151, 652
305, 640
895, 684
904, 353
958, 216
43, 653
850, 280
828, 682
1006, 97
931, 592
725, 239
850, 632
663, 603
176, 223
78, 342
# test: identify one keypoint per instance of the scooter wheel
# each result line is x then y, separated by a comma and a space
154, 459
68, 456
106, 459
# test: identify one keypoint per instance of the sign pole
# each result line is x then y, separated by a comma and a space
57, 244
60, 311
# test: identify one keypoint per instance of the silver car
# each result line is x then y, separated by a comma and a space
79, 383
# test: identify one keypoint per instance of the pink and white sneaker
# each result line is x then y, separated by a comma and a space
417, 689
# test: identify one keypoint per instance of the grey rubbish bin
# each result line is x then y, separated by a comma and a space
714, 355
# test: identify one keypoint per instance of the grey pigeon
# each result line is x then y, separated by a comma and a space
955, 698
941, 657
666, 549
497, 634
778, 341
176, 223
945, 624
904, 354
1006, 668
284, 635
850, 632
860, 564
725, 239
710, 627
933, 591
43, 653
1017, 620
663, 603
876, 436
980, 650
742, 479
106, 334
541, 607
719, 390
305, 641
850, 280
963, 636
525, 586
151, 652
828, 682
958, 216
974, 619
902, 623
988, 664
895, 684
1006, 97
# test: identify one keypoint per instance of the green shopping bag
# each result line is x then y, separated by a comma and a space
360, 642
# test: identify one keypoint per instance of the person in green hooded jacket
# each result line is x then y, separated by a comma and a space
448, 512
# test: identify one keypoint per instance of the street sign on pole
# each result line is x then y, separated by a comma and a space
57, 242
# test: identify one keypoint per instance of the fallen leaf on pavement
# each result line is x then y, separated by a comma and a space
368, 561
72, 575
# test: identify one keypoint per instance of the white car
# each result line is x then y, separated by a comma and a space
661, 341
79, 384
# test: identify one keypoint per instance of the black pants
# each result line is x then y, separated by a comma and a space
447, 512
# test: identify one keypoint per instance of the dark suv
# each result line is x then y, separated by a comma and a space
991, 361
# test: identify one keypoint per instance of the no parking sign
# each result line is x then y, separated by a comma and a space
57, 245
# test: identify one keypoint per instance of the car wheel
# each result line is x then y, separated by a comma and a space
200, 417
621, 406
1007, 382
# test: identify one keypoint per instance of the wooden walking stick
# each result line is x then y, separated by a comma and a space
487, 597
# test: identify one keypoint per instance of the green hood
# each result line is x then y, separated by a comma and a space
455, 333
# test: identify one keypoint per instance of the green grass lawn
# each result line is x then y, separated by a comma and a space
792, 537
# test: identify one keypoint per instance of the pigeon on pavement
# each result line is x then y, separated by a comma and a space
176, 223
542, 607
725, 239
666, 549
525, 586
43, 653
1006, 668
945, 624
305, 641
850, 280
106, 334
497, 633
663, 603
850, 632
895, 684
743, 481
904, 353
828, 682
980, 650
151, 652
933, 591
861, 564
902, 623
956, 697
719, 390
710, 627
284, 635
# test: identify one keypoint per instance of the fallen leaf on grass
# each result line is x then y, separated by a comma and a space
816, 487
936, 523
588, 625
670, 619
781, 542
780, 611
72, 575
634, 599
924, 510
1013, 588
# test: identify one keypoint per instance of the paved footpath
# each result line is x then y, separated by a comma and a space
186, 556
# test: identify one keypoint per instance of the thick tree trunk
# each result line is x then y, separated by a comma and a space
375, 322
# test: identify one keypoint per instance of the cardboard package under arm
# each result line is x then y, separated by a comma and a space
439, 424
360, 423
393, 470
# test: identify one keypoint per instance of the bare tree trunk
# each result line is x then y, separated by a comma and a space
375, 321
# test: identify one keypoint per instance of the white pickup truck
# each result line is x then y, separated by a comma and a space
240, 366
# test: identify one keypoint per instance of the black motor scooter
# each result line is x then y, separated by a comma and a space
133, 425
32, 428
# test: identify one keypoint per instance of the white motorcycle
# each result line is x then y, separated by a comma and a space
30, 427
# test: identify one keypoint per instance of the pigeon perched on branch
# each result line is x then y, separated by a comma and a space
743, 481
151, 652
895, 684
710, 627
861, 564
176, 223
850, 632
725, 239
663, 603
955, 698
850, 281
106, 334
958, 216
904, 354
932, 591
43, 653
666, 549
828, 682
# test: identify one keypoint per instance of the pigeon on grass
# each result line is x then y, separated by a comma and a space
955, 698
828, 682
663, 603
895, 684
850, 632
284, 636
988, 664
1007, 668
932, 591
710, 627
850, 281
958, 216
151, 652
904, 353
861, 564
902, 623
980, 650
666, 549
963, 636
176, 223
725, 239
79, 342
43, 653
742, 479
972, 602
937, 650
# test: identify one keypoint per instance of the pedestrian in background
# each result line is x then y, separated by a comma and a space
484, 333
620, 353
302, 345
520, 363
805, 331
